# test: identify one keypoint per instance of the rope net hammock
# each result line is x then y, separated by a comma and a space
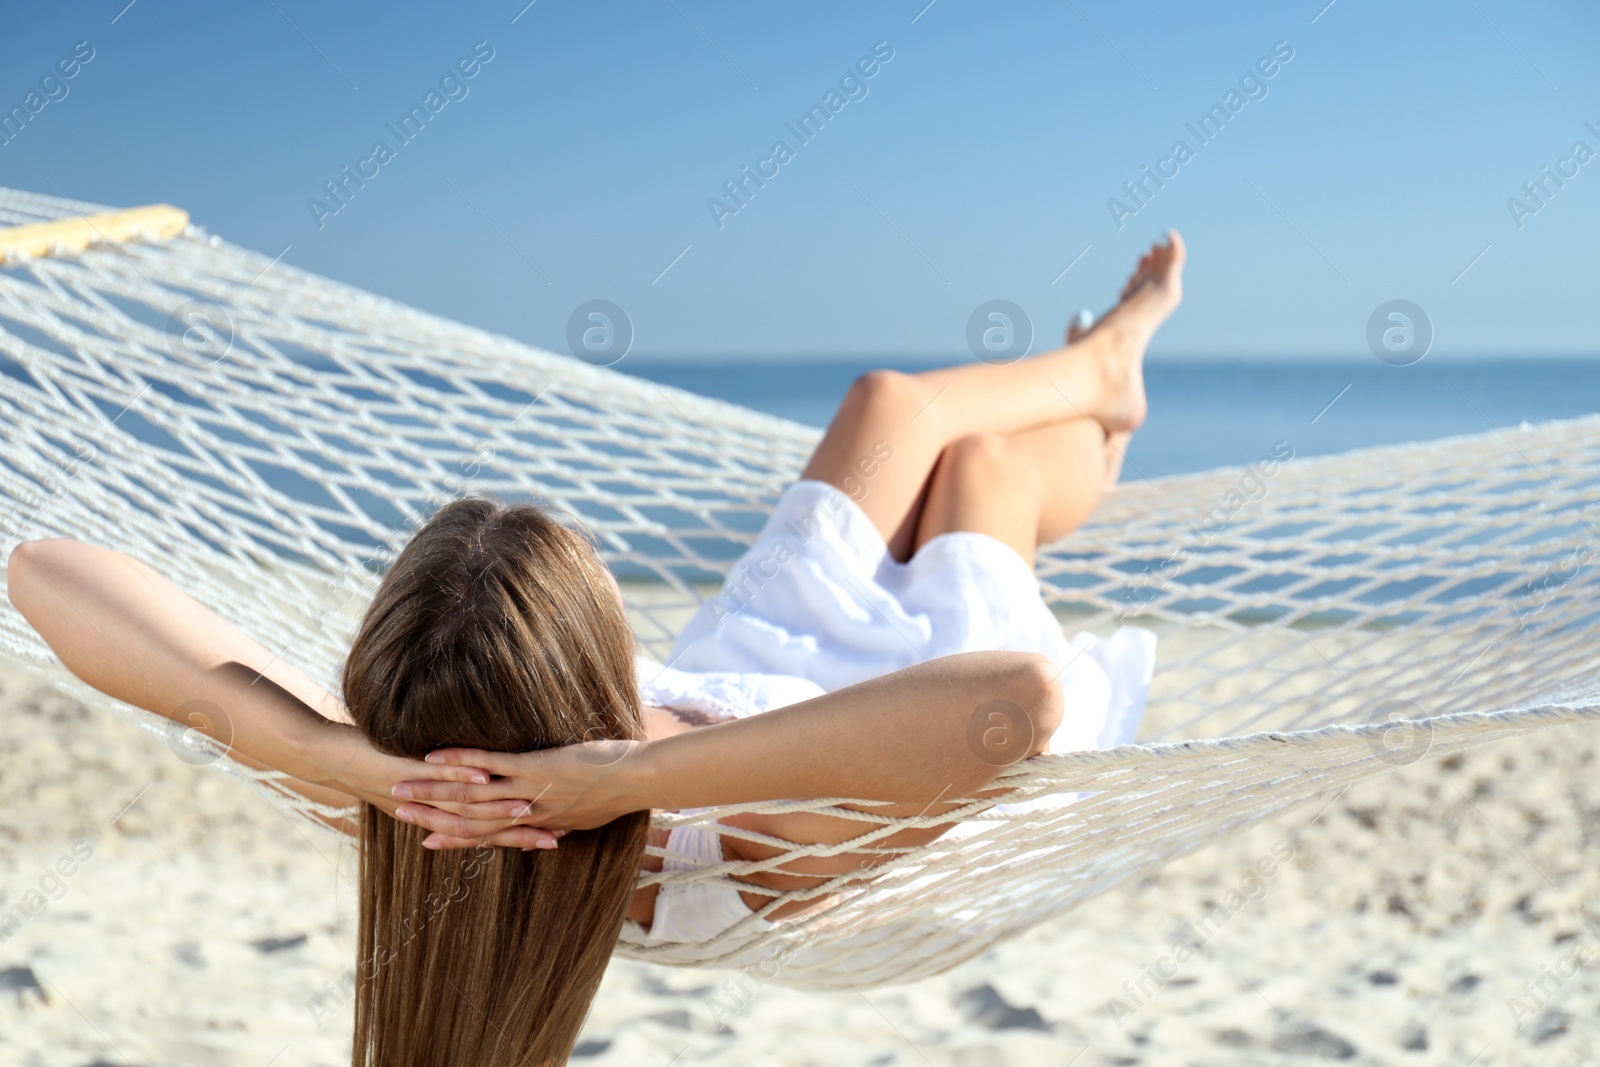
269, 438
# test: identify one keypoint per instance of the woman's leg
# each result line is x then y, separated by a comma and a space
1026, 489
1117, 442
891, 429
1047, 479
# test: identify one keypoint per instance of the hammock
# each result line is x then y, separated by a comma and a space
269, 438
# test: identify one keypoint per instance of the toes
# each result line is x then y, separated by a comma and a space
1080, 326
1177, 252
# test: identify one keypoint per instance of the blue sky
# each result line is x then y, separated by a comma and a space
978, 164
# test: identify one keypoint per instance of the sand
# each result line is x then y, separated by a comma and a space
198, 926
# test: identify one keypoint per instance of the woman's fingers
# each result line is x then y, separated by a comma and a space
450, 824
504, 811
459, 792
406, 769
444, 842
447, 773
431, 818
492, 823
523, 837
508, 763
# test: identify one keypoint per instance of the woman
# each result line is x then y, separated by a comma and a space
894, 641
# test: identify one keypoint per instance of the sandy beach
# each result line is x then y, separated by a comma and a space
1433, 916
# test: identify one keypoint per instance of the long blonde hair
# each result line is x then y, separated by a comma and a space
495, 628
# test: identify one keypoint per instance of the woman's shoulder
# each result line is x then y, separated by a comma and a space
725, 694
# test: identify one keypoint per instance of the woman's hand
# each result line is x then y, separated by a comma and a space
919, 736
355, 766
533, 796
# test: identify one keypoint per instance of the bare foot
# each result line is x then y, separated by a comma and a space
1116, 443
1080, 326
1120, 337
1158, 276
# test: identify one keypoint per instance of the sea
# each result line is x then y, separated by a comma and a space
1218, 412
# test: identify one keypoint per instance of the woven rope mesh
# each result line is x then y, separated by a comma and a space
272, 453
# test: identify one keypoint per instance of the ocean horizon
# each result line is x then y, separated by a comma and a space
1208, 412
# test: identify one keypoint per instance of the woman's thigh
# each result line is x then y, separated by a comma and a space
879, 449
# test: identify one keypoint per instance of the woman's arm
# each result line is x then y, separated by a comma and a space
127, 631
939, 730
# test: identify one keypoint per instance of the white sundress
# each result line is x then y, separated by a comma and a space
816, 604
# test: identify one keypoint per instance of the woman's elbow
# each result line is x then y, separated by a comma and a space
22, 569
31, 565
1039, 693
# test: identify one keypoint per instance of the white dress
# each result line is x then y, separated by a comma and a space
817, 603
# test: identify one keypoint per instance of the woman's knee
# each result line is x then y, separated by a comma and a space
984, 484
888, 393
985, 462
